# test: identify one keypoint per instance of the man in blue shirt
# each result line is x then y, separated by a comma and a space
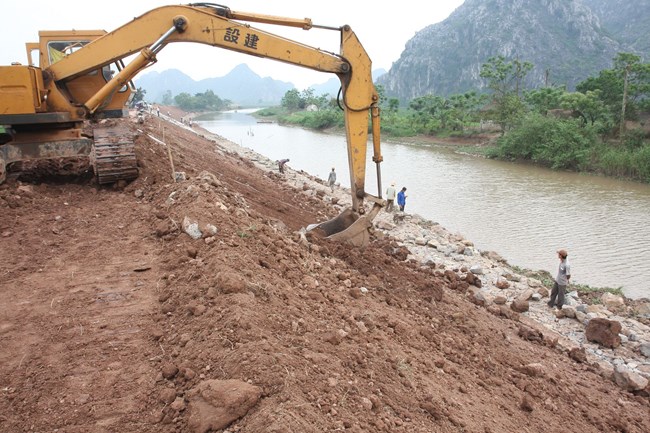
401, 199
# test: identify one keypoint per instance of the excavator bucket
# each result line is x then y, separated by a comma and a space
348, 227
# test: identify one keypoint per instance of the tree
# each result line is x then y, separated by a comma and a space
505, 81
636, 83
393, 105
138, 95
428, 113
624, 90
505, 77
185, 101
206, 101
463, 108
167, 98
587, 105
291, 100
544, 99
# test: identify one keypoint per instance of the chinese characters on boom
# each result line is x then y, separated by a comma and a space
233, 35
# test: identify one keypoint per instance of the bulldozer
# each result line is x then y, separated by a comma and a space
51, 112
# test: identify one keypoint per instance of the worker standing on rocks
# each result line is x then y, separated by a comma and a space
390, 197
331, 180
401, 199
562, 280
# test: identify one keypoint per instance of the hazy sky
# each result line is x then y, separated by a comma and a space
382, 27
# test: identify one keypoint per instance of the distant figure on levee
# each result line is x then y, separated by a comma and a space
281, 164
331, 179
401, 199
390, 197
562, 280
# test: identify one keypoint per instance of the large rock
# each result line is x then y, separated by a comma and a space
520, 305
612, 302
629, 380
214, 404
604, 332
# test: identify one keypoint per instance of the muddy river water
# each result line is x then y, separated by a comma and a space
524, 213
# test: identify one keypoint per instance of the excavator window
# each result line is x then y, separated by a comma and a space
59, 49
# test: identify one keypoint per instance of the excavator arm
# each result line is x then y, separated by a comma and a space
218, 26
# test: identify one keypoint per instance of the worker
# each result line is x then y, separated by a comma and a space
331, 180
390, 197
401, 199
281, 164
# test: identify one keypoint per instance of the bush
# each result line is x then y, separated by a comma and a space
621, 162
634, 139
315, 119
556, 143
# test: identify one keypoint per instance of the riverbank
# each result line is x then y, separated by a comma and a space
459, 145
503, 289
193, 301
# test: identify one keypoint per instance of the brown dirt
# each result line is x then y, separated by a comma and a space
114, 320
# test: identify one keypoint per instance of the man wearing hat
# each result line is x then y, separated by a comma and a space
562, 280
390, 196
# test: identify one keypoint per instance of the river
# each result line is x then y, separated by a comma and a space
522, 212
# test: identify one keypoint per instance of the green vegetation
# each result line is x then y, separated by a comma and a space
599, 128
558, 144
206, 101
306, 110
585, 289
138, 96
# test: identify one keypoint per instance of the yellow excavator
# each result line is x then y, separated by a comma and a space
45, 109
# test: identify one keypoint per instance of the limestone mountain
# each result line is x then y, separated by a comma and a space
241, 86
628, 21
563, 39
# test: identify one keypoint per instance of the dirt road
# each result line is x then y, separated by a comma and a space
114, 319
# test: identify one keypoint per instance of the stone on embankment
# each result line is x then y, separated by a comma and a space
629, 380
604, 331
520, 305
612, 302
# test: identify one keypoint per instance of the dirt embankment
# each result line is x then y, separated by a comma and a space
112, 318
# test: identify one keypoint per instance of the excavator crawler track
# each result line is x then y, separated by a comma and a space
114, 154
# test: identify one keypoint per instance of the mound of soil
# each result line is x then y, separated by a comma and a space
198, 306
